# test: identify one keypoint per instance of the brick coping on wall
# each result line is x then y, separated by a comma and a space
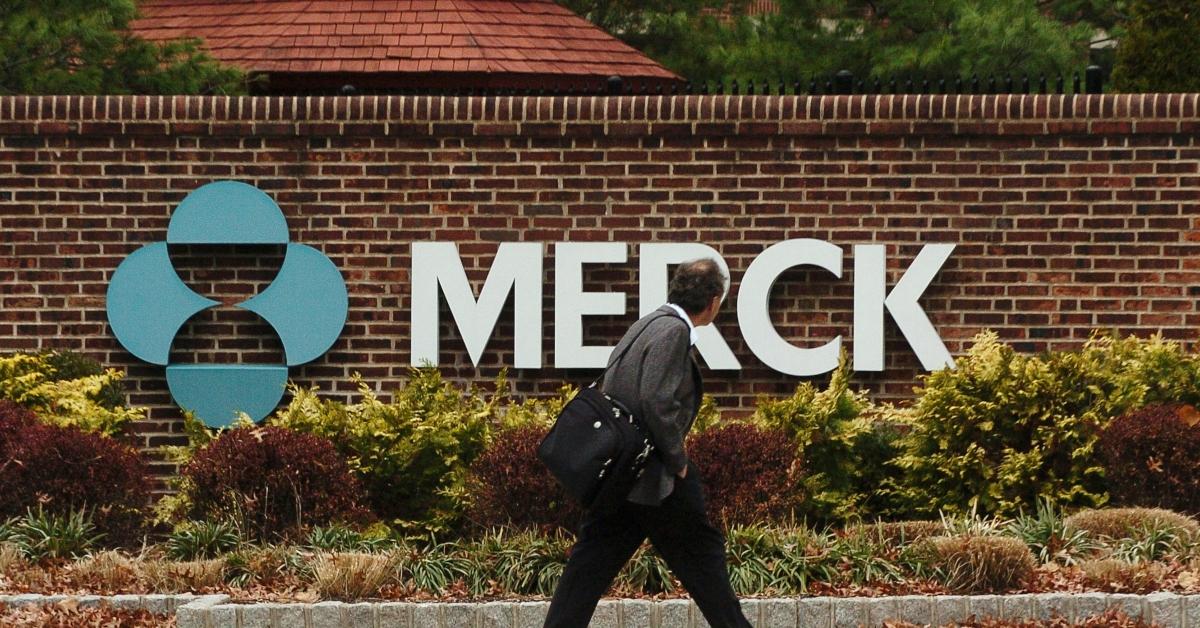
923, 110
1168, 610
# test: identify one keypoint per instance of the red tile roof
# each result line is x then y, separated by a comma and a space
397, 36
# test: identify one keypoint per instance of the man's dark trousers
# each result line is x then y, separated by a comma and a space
682, 534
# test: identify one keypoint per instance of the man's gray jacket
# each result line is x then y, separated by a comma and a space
659, 381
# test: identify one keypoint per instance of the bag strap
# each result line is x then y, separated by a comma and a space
629, 346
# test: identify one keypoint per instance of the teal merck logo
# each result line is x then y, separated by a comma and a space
306, 304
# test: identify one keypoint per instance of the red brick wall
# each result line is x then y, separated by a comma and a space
1070, 213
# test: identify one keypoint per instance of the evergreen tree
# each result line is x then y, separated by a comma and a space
84, 47
1160, 49
874, 39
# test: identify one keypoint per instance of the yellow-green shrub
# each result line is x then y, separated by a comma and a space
841, 442
1006, 428
67, 390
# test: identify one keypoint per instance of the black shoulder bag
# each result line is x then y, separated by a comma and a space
597, 449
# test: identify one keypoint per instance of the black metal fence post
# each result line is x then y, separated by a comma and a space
1095, 80
614, 85
843, 82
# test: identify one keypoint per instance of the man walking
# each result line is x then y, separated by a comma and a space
658, 380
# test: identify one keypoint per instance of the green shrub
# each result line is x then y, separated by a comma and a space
197, 540
1159, 48
844, 454
1007, 428
412, 454
67, 390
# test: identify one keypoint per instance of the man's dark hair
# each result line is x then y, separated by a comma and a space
695, 283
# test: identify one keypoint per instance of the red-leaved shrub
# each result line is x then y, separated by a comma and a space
510, 486
1151, 457
67, 469
749, 474
274, 482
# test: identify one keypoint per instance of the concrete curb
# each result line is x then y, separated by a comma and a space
214, 611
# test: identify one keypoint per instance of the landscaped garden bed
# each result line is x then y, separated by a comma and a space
1012, 475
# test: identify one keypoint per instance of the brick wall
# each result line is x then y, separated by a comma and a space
1070, 213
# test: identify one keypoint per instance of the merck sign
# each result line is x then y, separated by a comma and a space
307, 303
518, 269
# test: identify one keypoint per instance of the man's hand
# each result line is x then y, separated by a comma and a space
682, 474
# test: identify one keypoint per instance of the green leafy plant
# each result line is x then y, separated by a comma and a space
42, 534
1047, 535
340, 538
647, 572
524, 562
197, 540
781, 559
432, 566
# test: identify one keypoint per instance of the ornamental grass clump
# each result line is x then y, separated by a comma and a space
1116, 523
11, 557
432, 566
980, 564
351, 575
169, 576
646, 572
896, 534
1048, 536
41, 534
108, 570
1120, 576
202, 539
341, 538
